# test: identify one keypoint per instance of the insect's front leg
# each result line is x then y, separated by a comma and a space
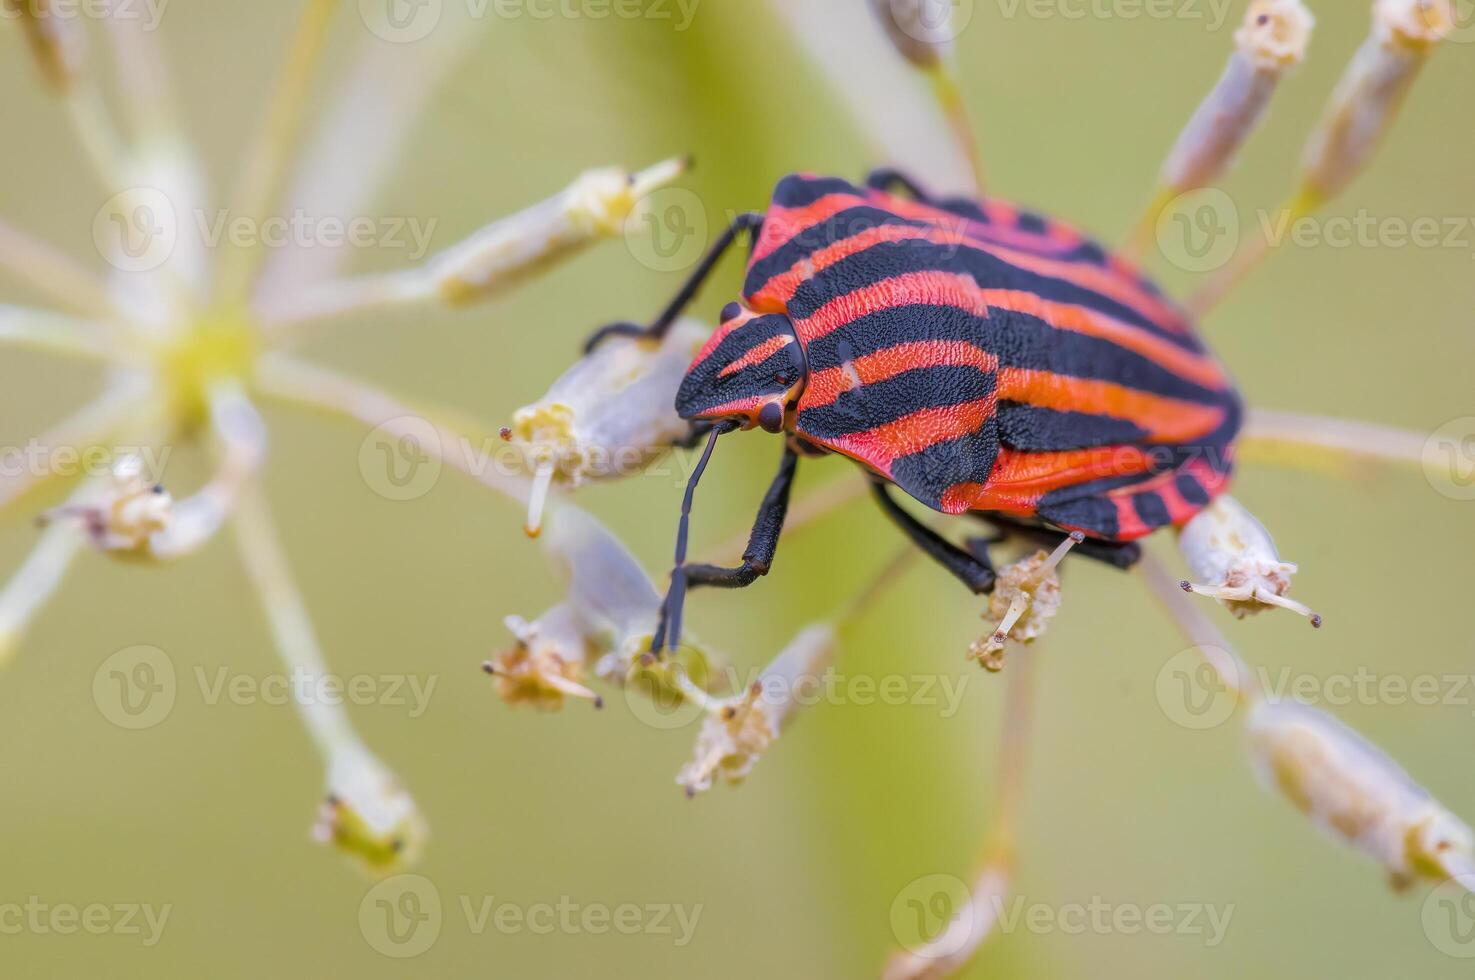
762, 542
973, 570
747, 223
757, 557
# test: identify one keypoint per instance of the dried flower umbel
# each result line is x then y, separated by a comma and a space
1342, 783
598, 632
191, 338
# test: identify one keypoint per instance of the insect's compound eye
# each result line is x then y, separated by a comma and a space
783, 378
771, 417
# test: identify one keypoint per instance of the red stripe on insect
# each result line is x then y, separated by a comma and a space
1123, 290
741, 406
1066, 316
777, 292
1213, 478
1129, 524
719, 335
757, 354
781, 225
914, 433
1002, 226
1179, 510
1165, 420
1020, 479
937, 288
827, 385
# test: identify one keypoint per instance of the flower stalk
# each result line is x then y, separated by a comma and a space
1361, 110
596, 206
1272, 40
366, 813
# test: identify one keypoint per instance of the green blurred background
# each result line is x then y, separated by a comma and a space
796, 871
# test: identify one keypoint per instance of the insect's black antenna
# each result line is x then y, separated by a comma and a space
670, 624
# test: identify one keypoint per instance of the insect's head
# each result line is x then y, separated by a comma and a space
751, 371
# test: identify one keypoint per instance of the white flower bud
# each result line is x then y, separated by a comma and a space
129, 511
1235, 561
1355, 793
737, 731
596, 205
1414, 23
1367, 98
610, 415
1272, 39
1275, 33
546, 665
367, 814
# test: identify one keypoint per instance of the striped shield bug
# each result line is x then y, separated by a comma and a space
980, 358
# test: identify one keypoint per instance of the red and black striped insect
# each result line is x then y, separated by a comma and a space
983, 359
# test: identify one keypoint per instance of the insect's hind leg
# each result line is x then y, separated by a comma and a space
746, 223
889, 179
973, 570
1117, 554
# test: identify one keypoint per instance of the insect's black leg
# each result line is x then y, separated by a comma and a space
1117, 554
757, 558
888, 179
973, 571
622, 329
762, 542
746, 223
